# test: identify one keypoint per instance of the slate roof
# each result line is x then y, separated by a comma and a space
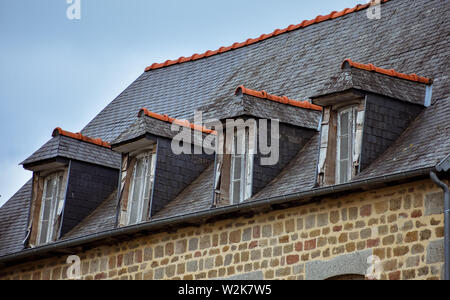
396, 88
410, 38
14, 220
101, 219
196, 197
146, 125
66, 147
444, 166
141, 127
245, 105
298, 176
295, 64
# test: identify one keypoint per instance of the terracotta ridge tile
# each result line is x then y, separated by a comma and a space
80, 137
282, 100
167, 119
306, 23
392, 73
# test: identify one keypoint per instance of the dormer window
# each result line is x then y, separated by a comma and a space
256, 140
153, 172
365, 109
341, 142
141, 187
346, 130
242, 165
51, 207
72, 175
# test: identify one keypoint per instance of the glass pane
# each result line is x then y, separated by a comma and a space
237, 167
139, 168
136, 192
344, 123
47, 203
61, 189
135, 200
145, 211
147, 178
49, 191
44, 229
236, 192
344, 149
147, 189
247, 140
343, 171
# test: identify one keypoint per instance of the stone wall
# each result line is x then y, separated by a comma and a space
402, 225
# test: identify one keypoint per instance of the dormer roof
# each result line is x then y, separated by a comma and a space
356, 79
68, 145
260, 104
153, 125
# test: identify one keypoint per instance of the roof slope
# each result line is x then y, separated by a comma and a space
14, 221
298, 176
101, 219
195, 198
424, 144
295, 64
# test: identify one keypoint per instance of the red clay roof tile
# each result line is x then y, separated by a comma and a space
392, 73
80, 137
283, 100
306, 23
167, 119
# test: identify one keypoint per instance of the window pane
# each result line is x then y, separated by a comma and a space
236, 192
141, 190
344, 154
139, 168
61, 188
46, 205
237, 167
136, 193
343, 171
344, 123
135, 200
49, 191
345, 144
44, 229
147, 189
147, 178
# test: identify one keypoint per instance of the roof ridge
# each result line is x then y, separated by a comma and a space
303, 24
283, 100
78, 136
167, 119
391, 72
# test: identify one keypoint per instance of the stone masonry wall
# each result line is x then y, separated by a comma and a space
402, 225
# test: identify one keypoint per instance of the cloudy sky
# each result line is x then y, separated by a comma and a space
60, 72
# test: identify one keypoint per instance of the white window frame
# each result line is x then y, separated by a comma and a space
56, 204
352, 123
246, 166
148, 179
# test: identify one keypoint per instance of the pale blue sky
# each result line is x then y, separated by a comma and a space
60, 72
